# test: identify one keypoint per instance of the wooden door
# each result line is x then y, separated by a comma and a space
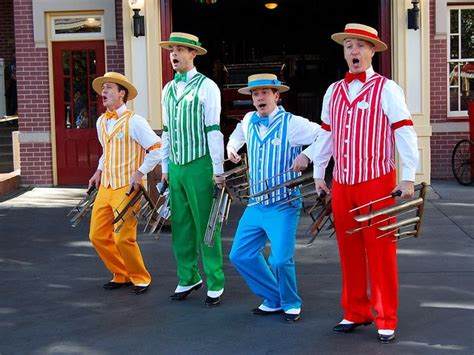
75, 65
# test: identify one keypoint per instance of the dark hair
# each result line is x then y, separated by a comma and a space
125, 97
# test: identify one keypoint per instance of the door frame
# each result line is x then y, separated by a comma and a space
52, 102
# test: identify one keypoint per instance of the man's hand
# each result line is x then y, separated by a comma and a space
233, 155
135, 181
407, 188
164, 178
95, 179
219, 180
320, 186
300, 163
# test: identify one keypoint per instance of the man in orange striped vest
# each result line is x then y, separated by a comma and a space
365, 116
125, 138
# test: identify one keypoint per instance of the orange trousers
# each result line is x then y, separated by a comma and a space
119, 251
365, 258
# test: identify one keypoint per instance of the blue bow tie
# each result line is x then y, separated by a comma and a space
180, 77
262, 120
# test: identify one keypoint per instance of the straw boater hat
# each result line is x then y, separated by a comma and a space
183, 39
259, 81
117, 78
366, 33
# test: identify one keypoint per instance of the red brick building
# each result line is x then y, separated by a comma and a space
44, 33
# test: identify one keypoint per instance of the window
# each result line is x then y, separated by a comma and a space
86, 26
460, 60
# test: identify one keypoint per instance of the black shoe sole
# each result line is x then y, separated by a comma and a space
117, 286
181, 296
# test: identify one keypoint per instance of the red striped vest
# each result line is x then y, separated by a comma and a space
363, 141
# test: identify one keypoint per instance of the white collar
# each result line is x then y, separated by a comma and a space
120, 110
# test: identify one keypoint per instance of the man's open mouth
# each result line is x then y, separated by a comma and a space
175, 61
262, 106
355, 61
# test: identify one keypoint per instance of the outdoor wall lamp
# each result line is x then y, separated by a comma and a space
138, 20
414, 16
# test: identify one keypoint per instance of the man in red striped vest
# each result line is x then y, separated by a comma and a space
125, 137
365, 116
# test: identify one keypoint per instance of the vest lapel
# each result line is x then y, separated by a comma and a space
118, 125
272, 128
190, 85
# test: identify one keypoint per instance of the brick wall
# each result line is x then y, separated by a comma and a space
115, 56
33, 91
7, 37
442, 144
33, 97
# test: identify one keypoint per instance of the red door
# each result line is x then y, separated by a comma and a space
75, 65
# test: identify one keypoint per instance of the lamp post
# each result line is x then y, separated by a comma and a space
414, 16
138, 20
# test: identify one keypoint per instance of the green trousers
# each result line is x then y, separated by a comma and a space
191, 188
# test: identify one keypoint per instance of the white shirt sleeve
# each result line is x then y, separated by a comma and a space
394, 106
320, 152
302, 131
211, 97
165, 141
141, 132
100, 166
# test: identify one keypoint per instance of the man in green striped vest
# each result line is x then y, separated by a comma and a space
193, 157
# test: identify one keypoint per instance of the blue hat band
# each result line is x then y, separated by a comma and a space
264, 82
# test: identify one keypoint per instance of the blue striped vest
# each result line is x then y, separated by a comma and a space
270, 157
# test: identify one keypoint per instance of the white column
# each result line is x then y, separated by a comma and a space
410, 60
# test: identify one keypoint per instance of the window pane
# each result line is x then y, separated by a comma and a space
67, 90
453, 99
78, 24
66, 68
80, 87
92, 62
467, 33
454, 50
453, 21
454, 74
467, 82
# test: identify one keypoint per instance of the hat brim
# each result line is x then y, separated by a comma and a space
98, 82
169, 45
341, 36
248, 89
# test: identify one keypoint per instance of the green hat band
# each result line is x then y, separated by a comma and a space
185, 40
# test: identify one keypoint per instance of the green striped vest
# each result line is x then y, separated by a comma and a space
187, 132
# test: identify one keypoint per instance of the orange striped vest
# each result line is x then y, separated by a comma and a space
122, 155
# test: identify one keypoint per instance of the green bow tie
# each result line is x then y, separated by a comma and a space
180, 77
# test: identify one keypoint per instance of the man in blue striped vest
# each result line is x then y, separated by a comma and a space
274, 138
193, 158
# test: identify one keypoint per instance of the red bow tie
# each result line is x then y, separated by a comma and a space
351, 76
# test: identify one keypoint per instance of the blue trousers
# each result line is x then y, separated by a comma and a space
277, 224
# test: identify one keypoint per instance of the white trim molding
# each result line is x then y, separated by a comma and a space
34, 137
449, 127
42, 7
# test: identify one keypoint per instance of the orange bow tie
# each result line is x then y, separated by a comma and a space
351, 76
111, 114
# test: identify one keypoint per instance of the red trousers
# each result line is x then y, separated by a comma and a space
365, 258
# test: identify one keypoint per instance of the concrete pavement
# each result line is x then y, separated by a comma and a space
52, 302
